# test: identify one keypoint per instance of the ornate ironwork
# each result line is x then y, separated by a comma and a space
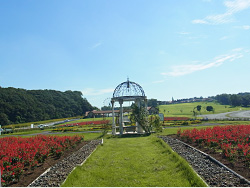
128, 89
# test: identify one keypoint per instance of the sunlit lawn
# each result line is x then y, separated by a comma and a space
136, 162
186, 109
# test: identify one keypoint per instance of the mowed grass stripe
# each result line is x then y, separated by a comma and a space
136, 162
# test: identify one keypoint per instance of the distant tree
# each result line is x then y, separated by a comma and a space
198, 108
223, 99
209, 108
106, 108
236, 100
246, 100
152, 102
240, 99
96, 108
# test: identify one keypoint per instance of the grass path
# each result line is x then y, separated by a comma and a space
136, 162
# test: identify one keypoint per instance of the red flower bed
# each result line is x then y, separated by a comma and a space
87, 123
176, 118
233, 141
18, 154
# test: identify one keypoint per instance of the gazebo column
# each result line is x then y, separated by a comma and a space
121, 116
146, 103
138, 126
113, 116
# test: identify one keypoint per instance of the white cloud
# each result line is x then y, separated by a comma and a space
93, 92
224, 37
96, 45
199, 22
181, 70
237, 49
246, 27
237, 5
184, 33
232, 7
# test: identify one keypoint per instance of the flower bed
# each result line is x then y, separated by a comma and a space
18, 154
176, 118
232, 141
169, 121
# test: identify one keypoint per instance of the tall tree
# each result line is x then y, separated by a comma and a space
246, 100
236, 100
152, 102
223, 99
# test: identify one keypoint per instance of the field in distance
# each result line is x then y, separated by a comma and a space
186, 109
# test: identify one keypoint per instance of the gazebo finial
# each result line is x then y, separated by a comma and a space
127, 82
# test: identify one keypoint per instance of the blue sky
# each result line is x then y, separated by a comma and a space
171, 48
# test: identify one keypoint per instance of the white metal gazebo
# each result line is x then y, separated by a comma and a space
127, 91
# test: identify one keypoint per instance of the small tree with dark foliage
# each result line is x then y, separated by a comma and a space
210, 108
199, 108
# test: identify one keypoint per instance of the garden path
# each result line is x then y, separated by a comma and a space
228, 115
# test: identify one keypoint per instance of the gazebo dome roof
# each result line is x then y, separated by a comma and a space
128, 89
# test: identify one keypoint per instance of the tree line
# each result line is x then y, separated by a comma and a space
240, 99
21, 106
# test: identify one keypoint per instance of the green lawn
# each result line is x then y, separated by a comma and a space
134, 162
170, 131
186, 109
87, 119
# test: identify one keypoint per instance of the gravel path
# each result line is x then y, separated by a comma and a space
55, 175
214, 174
228, 115
240, 114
